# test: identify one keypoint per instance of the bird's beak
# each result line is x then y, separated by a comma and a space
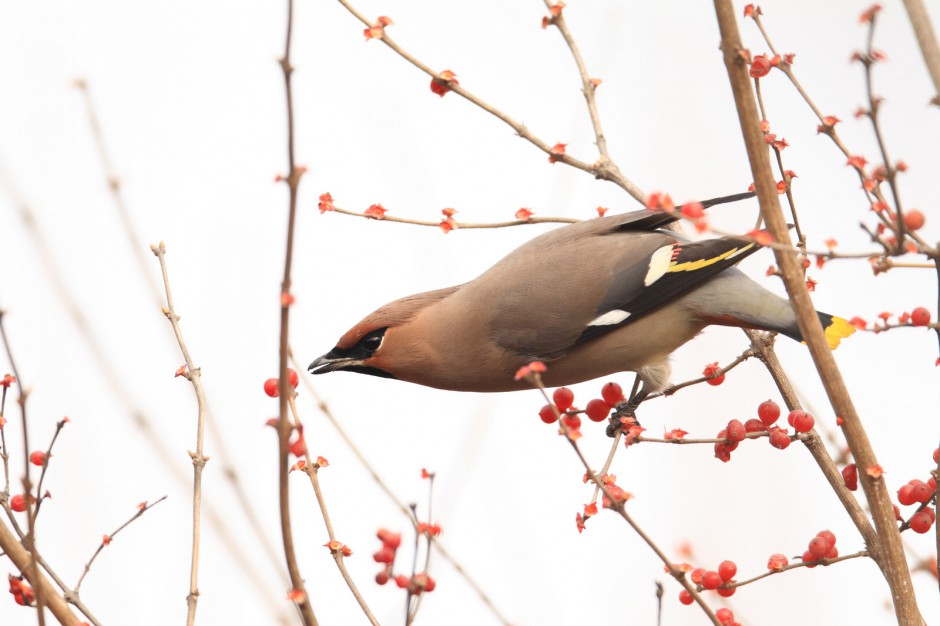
330, 363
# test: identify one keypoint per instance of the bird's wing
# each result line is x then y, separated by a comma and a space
578, 289
641, 285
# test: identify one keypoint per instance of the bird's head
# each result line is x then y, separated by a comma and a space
384, 342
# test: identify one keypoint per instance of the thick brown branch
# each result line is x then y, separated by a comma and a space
927, 40
24, 561
892, 562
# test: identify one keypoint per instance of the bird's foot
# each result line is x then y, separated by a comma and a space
624, 415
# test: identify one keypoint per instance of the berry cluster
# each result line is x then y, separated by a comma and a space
923, 494
822, 546
719, 580
597, 409
272, 385
768, 412
416, 584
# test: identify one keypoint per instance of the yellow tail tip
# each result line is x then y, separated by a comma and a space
838, 330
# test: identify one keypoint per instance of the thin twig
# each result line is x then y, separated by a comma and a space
45, 462
813, 442
113, 377
741, 358
373, 472
588, 84
455, 225
194, 375
619, 505
298, 589
312, 469
142, 508
600, 169
222, 454
27, 485
795, 565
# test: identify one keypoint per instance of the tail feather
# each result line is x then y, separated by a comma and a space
835, 328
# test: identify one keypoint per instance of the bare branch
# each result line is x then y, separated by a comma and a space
601, 169
891, 558
142, 508
194, 375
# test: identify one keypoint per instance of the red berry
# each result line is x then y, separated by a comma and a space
18, 503
777, 562
735, 431
389, 539
920, 522
727, 570
931, 513
563, 398
292, 378
725, 616
696, 575
37, 458
921, 492
808, 558
298, 447
754, 425
723, 451
429, 584
850, 477
573, 422
936, 455
803, 422
711, 580
828, 535
597, 410
382, 577
548, 415
833, 553
726, 592
906, 495
385, 555
685, 597
920, 316
710, 371
768, 412
402, 581
819, 547
914, 219
271, 387
612, 393
779, 438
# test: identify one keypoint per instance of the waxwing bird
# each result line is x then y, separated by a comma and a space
610, 294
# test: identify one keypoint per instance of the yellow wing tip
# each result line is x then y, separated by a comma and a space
838, 330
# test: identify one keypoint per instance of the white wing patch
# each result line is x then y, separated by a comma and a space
659, 265
610, 318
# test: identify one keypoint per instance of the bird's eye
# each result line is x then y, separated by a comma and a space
371, 343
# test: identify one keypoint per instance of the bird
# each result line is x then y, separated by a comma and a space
590, 299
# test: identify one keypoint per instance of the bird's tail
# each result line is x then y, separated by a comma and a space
835, 328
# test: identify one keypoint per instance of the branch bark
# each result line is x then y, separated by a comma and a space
891, 553
24, 562
927, 40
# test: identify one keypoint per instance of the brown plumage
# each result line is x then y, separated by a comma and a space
601, 296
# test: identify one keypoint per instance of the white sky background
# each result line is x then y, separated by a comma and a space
191, 102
